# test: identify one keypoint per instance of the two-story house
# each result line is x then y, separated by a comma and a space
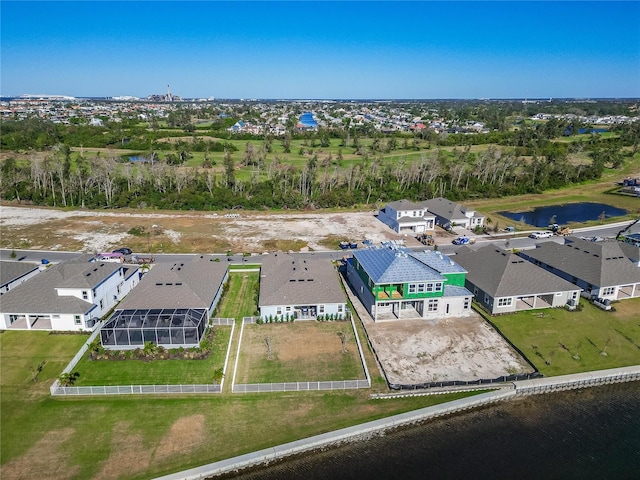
69, 296
397, 283
404, 216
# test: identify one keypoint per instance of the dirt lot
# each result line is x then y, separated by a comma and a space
420, 351
84, 230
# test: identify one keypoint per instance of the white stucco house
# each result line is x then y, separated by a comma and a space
70, 296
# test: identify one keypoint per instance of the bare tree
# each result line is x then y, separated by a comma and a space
344, 335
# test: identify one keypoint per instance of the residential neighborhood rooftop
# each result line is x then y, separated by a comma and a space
506, 274
599, 263
189, 284
298, 279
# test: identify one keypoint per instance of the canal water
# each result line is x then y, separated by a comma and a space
563, 214
581, 434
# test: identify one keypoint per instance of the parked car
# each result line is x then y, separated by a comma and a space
541, 235
123, 250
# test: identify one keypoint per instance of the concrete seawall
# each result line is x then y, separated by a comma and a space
363, 431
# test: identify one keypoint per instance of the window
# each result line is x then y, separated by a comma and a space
412, 288
421, 288
321, 309
58, 316
608, 291
101, 304
486, 298
288, 309
85, 295
438, 287
278, 310
340, 308
467, 303
76, 319
119, 289
432, 305
430, 287
505, 302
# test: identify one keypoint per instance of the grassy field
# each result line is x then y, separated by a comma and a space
141, 437
559, 342
156, 372
301, 351
240, 299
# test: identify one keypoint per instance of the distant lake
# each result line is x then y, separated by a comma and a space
569, 213
307, 119
138, 158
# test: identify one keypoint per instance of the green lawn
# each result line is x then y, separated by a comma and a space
156, 372
240, 299
584, 334
138, 437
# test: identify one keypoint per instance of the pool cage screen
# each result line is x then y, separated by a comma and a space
169, 328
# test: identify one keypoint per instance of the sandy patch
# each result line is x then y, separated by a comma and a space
421, 351
185, 436
248, 232
46, 459
128, 455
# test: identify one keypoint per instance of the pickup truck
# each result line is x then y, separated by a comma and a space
541, 235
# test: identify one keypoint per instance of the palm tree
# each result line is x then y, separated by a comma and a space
218, 375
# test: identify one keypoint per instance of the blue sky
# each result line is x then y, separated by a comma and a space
322, 49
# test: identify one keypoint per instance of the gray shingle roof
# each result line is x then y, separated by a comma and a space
189, 284
39, 295
290, 279
445, 208
10, 271
503, 274
599, 263
400, 205
387, 266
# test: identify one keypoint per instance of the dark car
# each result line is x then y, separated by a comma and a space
123, 250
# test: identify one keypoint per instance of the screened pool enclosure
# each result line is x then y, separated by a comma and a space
169, 328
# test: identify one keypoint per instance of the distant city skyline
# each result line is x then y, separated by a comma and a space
321, 50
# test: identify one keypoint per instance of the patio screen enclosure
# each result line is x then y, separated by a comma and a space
169, 328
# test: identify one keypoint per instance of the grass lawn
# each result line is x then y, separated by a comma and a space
301, 351
240, 299
138, 437
156, 372
585, 334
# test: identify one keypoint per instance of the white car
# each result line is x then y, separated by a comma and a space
541, 235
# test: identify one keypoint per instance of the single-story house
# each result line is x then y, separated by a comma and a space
406, 216
301, 287
13, 274
607, 270
170, 307
503, 282
453, 214
70, 296
396, 283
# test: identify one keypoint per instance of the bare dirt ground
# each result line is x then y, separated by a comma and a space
421, 351
90, 231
